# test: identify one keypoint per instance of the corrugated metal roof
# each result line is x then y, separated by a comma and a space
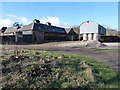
10, 30
26, 27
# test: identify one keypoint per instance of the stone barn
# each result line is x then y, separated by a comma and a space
37, 32
73, 33
92, 31
8, 35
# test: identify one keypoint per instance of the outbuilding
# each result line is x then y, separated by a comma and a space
92, 31
73, 33
8, 35
37, 32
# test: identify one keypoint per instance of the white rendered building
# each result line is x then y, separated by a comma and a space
92, 31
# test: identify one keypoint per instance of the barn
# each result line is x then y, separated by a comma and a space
37, 32
90, 30
73, 33
8, 35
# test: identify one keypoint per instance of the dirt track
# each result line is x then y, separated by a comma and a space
108, 56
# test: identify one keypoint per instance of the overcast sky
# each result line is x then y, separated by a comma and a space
63, 14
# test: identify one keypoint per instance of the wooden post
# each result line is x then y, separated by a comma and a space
32, 36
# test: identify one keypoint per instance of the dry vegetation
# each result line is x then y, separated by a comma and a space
43, 69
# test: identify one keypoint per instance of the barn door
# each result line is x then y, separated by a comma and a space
71, 37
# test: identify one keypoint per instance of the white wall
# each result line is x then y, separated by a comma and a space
27, 32
90, 27
6, 34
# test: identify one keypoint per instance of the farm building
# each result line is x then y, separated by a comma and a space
8, 35
37, 32
112, 35
73, 33
91, 31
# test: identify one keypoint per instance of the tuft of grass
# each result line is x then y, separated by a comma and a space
59, 70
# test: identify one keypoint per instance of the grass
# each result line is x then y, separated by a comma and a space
62, 71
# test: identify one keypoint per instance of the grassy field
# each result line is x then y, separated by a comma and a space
45, 69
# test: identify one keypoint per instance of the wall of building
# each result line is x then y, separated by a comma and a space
53, 36
27, 39
38, 36
110, 39
73, 34
18, 38
101, 30
9, 39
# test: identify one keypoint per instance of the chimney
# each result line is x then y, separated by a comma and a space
48, 23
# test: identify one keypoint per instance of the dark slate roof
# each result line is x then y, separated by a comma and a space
102, 26
42, 27
45, 28
49, 28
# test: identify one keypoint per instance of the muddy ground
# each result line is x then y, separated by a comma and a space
108, 55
